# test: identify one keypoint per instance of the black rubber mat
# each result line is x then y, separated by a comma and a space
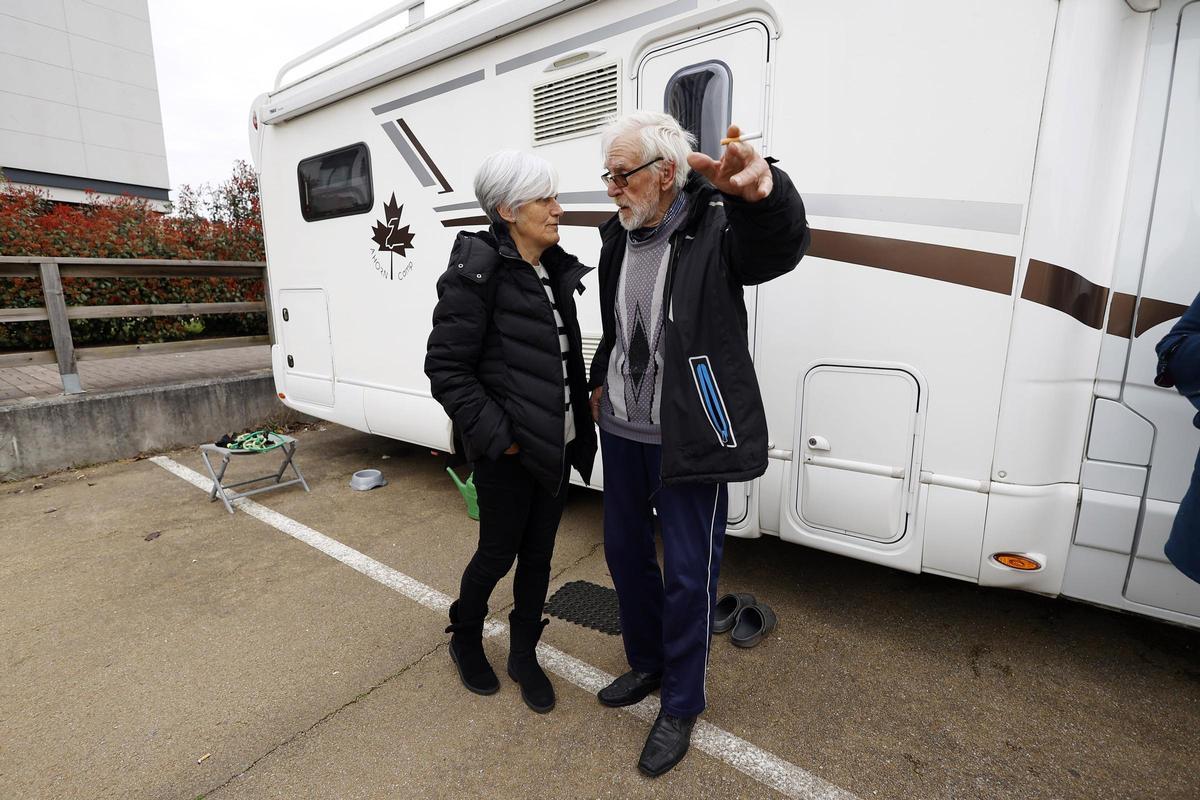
587, 604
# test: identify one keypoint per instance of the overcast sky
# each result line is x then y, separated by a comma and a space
213, 59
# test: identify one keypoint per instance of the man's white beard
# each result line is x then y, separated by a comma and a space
639, 215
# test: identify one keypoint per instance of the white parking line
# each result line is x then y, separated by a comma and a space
755, 762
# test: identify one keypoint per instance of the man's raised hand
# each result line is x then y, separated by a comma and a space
741, 172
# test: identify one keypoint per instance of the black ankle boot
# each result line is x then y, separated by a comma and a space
466, 651
523, 667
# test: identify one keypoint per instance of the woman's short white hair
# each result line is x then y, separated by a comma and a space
656, 135
513, 178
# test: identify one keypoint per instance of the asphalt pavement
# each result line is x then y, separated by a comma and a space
155, 646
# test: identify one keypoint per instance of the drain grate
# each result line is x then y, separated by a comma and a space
587, 604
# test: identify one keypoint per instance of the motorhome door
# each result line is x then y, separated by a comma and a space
708, 82
1169, 282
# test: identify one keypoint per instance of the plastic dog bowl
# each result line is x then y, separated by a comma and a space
366, 479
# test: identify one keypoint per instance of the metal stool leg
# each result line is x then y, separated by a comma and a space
290, 450
217, 476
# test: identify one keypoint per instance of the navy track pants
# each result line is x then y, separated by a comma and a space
666, 615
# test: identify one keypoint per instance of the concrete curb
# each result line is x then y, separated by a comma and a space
65, 432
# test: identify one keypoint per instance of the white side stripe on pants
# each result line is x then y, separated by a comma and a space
760, 765
708, 589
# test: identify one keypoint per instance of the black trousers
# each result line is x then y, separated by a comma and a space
518, 520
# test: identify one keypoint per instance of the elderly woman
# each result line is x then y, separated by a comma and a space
505, 361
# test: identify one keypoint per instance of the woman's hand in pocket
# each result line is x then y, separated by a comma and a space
513, 449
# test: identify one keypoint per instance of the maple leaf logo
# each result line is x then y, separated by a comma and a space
388, 234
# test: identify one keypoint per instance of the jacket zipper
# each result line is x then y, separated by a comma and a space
668, 291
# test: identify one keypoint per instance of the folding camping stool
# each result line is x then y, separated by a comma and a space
287, 447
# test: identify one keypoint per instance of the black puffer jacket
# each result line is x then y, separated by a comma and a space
714, 428
494, 361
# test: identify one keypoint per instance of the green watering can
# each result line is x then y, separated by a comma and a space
468, 492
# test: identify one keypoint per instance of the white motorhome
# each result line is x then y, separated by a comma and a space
1005, 203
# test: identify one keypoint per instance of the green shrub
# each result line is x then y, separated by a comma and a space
219, 223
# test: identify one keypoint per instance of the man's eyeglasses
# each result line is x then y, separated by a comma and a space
621, 179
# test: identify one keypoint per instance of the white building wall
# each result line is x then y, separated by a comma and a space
79, 104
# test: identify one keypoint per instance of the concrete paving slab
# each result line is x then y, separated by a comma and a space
128, 660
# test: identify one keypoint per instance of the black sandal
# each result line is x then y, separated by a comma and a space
753, 624
728, 608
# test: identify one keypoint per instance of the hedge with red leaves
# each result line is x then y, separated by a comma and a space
219, 223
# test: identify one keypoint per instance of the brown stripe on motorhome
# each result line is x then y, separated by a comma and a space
991, 272
587, 219
437, 173
1151, 312
462, 222
1066, 291
1120, 315
1046, 284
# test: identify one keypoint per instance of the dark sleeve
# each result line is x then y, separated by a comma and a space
600, 363
1179, 355
460, 321
599, 367
768, 238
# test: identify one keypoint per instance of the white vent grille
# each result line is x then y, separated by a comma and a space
591, 343
574, 106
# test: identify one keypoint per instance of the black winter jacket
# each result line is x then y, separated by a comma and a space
714, 428
494, 361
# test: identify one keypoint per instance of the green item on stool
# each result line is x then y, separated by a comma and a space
468, 492
257, 441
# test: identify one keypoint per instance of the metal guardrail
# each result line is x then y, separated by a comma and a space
51, 271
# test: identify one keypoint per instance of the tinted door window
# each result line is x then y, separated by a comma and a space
699, 96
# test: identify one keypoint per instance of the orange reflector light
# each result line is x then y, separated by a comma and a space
282, 396
1016, 561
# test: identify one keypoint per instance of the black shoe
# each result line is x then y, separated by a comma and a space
536, 690
666, 745
630, 688
466, 651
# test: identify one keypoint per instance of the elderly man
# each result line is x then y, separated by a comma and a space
675, 394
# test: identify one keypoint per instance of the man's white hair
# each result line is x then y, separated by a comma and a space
513, 178
656, 135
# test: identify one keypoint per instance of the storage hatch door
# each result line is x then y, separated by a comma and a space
308, 351
855, 450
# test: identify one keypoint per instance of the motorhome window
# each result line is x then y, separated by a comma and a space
336, 184
699, 97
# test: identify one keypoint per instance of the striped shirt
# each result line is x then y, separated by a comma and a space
564, 345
